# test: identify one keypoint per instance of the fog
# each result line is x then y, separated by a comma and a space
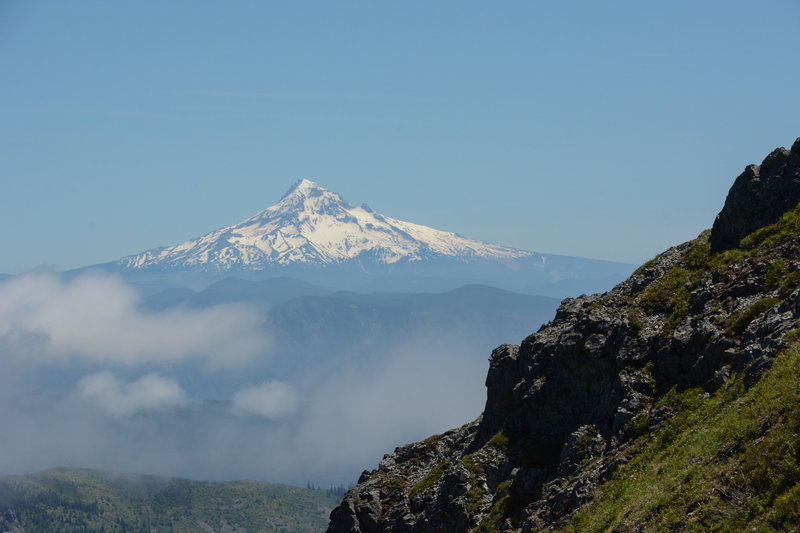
273, 400
151, 392
92, 380
98, 318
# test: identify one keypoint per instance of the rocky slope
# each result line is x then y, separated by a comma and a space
594, 387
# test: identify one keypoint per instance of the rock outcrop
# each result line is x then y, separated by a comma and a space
759, 196
563, 406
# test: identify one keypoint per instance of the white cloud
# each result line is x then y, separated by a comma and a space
272, 399
326, 422
98, 318
331, 424
149, 393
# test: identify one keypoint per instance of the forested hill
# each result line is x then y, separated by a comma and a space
89, 501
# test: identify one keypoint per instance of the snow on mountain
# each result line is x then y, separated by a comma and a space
313, 226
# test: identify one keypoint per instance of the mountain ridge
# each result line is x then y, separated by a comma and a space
602, 392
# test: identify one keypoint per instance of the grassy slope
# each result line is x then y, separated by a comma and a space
724, 462
728, 461
68, 500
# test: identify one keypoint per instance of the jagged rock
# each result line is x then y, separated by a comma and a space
564, 405
759, 196
504, 367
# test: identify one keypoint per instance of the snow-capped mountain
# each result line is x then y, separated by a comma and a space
316, 227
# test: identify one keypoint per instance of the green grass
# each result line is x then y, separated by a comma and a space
599, 303
429, 479
638, 424
740, 321
501, 508
721, 463
699, 256
793, 336
790, 282
431, 442
86, 501
725, 462
634, 320
500, 441
645, 266
776, 273
393, 483
671, 294
787, 227
475, 493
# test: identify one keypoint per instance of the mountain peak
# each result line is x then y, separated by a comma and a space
311, 225
304, 187
758, 197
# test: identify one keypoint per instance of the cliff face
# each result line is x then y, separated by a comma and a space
581, 397
758, 197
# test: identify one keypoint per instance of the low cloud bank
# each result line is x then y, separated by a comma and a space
273, 400
98, 318
134, 389
149, 393
425, 387
280, 432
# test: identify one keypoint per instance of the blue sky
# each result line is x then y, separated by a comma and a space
599, 129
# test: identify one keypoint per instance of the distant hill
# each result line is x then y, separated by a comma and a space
326, 328
480, 312
90, 501
231, 289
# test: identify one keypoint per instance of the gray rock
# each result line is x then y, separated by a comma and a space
562, 406
759, 196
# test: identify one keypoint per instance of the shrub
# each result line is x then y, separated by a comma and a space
429, 479
776, 273
475, 493
500, 441
790, 282
671, 293
742, 319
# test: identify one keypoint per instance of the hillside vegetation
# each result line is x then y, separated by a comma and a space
725, 461
728, 461
88, 501
670, 403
